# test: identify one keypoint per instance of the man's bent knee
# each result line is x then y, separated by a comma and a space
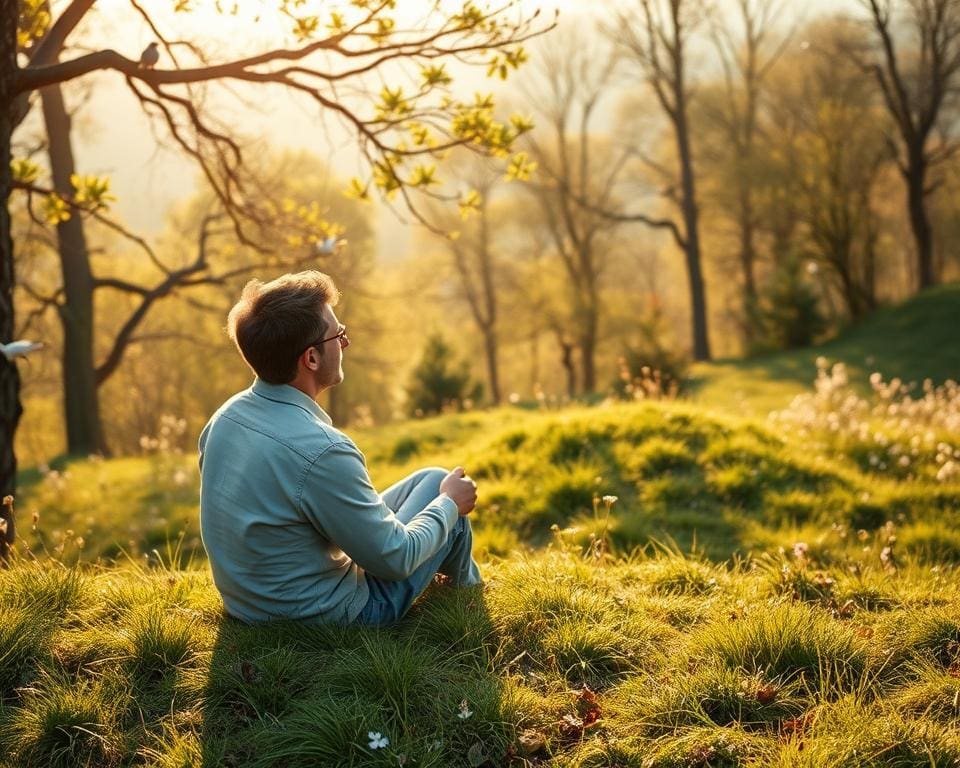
433, 475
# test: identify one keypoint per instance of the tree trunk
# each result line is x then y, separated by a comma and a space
916, 178
84, 427
851, 293
489, 325
588, 343
747, 262
10, 408
534, 360
698, 298
493, 374
566, 360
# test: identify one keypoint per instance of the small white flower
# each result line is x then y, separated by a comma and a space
377, 741
465, 711
609, 500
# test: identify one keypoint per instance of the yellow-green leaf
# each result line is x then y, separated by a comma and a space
55, 209
23, 170
520, 167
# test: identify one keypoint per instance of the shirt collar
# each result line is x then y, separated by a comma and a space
284, 393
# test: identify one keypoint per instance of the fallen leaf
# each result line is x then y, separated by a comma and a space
588, 706
531, 741
571, 727
475, 755
766, 694
796, 726
249, 672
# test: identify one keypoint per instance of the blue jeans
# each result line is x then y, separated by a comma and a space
389, 600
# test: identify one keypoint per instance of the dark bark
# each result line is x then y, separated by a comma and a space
588, 339
914, 100
657, 37
569, 366
84, 426
489, 328
698, 298
916, 178
10, 407
482, 298
748, 258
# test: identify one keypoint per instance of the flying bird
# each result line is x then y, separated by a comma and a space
20, 348
150, 56
330, 245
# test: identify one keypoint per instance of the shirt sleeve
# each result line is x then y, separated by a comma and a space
341, 503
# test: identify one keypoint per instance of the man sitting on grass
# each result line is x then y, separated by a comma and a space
290, 521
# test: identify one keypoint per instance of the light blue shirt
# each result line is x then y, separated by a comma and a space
288, 515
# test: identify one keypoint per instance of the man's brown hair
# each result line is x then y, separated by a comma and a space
273, 323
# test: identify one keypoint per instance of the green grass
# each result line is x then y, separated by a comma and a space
723, 485
687, 663
752, 597
913, 341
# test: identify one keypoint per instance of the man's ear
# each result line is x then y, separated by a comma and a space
311, 358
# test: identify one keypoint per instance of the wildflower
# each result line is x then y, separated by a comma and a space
465, 712
377, 741
800, 550
609, 500
888, 559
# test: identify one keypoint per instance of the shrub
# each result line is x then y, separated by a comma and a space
437, 383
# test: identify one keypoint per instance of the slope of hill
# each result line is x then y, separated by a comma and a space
816, 625
914, 340
721, 484
562, 659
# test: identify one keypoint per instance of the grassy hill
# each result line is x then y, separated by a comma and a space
718, 484
914, 340
667, 585
563, 659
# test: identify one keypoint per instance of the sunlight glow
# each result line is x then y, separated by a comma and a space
227, 27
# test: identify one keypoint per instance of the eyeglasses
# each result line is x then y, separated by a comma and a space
341, 334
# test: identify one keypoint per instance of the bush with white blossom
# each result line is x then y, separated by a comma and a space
900, 429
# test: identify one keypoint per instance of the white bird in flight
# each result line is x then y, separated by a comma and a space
20, 348
330, 245
150, 56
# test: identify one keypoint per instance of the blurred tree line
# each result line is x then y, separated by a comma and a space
698, 183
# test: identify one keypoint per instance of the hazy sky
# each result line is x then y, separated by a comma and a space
113, 137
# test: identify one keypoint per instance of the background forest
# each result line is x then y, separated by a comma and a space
702, 180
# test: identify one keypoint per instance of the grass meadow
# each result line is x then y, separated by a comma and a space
667, 584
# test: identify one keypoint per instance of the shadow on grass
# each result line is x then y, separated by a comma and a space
294, 695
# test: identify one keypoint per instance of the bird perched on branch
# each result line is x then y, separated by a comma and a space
20, 348
150, 56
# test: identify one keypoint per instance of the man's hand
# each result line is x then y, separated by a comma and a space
461, 489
